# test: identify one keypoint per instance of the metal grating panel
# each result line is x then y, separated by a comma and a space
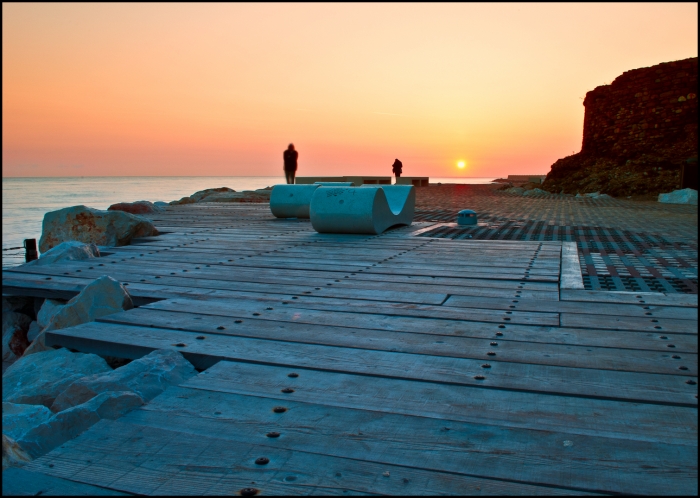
611, 259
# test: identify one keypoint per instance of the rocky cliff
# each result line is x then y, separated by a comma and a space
637, 132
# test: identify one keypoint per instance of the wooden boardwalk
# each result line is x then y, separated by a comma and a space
391, 364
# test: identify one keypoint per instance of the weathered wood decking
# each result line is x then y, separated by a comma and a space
388, 364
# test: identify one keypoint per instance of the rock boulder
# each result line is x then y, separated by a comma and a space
534, 191
14, 335
18, 419
261, 195
38, 378
685, 196
101, 297
147, 377
138, 207
84, 224
203, 194
47, 311
33, 331
12, 454
69, 424
70, 250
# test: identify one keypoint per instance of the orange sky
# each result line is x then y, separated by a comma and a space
221, 89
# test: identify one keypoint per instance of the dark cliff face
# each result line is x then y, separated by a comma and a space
637, 132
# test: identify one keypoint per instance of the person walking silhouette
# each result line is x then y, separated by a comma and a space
290, 163
396, 168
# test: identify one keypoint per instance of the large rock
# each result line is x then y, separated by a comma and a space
70, 250
12, 454
261, 195
18, 419
101, 297
203, 194
33, 331
638, 132
14, 335
138, 207
184, 200
535, 191
47, 311
84, 224
148, 377
38, 378
685, 196
69, 424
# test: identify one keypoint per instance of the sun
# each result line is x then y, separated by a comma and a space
460, 164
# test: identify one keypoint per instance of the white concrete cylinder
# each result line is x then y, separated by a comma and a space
369, 210
291, 201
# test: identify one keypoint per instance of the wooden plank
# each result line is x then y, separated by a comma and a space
17, 481
655, 298
570, 268
225, 272
489, 264
156, 461
446, 271
571, 415
221, 278
586, 308
12, 279
133, 342
134, 272
368, 316
577, 462
404, 342
662, 326
422, 320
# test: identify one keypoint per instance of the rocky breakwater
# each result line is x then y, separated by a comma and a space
637, 133
225, 194
53, 395
85, 224
138, 207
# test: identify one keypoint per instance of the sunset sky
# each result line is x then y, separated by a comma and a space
221, 89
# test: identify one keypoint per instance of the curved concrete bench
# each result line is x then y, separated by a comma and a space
292, 201
369, 209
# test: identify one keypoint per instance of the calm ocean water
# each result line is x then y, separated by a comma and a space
26, 200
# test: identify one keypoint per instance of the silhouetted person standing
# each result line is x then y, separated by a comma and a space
290, 163
396, 168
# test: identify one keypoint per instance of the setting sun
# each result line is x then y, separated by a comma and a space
460, 164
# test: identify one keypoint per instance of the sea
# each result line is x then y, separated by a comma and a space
25, 201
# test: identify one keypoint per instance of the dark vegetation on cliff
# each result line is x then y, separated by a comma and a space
637, 132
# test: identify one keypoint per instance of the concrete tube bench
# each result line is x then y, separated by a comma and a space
292, 201
365, 210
